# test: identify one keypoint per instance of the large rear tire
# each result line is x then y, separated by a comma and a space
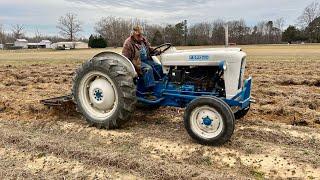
104, 92
209, 121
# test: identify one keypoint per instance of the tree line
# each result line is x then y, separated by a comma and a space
115, 31
112, 31
68, 25
309, 23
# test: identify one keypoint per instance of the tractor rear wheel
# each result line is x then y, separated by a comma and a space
104, 92
209, 120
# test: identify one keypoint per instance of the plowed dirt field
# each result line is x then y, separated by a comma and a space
278, 139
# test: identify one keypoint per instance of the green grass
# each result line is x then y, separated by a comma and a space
257, 174
206, 160
248, 151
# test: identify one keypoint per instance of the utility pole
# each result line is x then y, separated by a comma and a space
318, 27
185, 23
226, 28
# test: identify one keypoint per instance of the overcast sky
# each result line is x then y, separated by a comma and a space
44, 14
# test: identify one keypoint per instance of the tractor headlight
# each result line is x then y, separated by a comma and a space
223, 66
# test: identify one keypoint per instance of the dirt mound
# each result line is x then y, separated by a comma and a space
290, 82
285, 93
23, 88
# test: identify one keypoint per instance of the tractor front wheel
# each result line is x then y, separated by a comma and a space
209, 120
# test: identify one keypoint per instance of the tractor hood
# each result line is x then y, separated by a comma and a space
201, 57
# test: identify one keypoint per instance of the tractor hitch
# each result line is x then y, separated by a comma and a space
58, 101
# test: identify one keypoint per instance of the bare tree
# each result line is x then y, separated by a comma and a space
38, 36
114, 30
17, 31
200, 34
69, 26
238, 31
2, 35
310, 13
279, 23
154, 33
218, 32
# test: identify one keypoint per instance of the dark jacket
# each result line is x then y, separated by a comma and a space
132, 52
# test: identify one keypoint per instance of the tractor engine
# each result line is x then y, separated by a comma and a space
209, 70
202, 79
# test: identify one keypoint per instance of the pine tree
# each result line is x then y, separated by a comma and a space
157, 38
97, 42
91, 38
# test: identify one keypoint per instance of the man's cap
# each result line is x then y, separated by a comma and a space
138, 30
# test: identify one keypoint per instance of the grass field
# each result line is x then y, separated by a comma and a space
42, 143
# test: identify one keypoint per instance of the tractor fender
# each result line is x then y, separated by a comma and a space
114, 55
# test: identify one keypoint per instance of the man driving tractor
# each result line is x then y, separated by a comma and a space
137, 49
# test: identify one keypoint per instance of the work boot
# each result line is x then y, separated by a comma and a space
150, 97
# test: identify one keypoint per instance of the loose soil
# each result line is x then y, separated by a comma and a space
278, 139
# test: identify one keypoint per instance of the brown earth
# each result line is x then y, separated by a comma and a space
278, 139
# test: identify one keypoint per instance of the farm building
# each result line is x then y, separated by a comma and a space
35, 46
70, 45
8, 45
47, 43
21, 43
1, 46
43, 44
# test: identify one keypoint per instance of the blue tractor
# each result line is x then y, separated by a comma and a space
208, 82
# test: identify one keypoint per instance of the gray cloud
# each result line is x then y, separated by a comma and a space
154, 5
45, 14
201, 10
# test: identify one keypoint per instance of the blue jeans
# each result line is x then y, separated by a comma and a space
150, 70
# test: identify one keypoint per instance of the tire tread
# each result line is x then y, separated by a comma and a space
126, 88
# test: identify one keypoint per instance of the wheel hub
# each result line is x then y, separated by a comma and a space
207, 121
102, 94
98, 95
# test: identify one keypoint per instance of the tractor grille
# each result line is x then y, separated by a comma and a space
241, 75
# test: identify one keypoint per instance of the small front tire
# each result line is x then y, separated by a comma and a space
209, 121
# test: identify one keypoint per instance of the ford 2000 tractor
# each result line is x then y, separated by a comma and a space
208, 82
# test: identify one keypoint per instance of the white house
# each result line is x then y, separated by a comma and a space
42, 45
35, 46
71, 45
21, 43
47, 43
1, 46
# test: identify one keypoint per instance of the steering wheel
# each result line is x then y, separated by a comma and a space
168, 46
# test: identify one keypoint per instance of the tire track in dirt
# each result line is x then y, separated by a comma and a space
165, 150
17, 164
91, 150
265, 147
